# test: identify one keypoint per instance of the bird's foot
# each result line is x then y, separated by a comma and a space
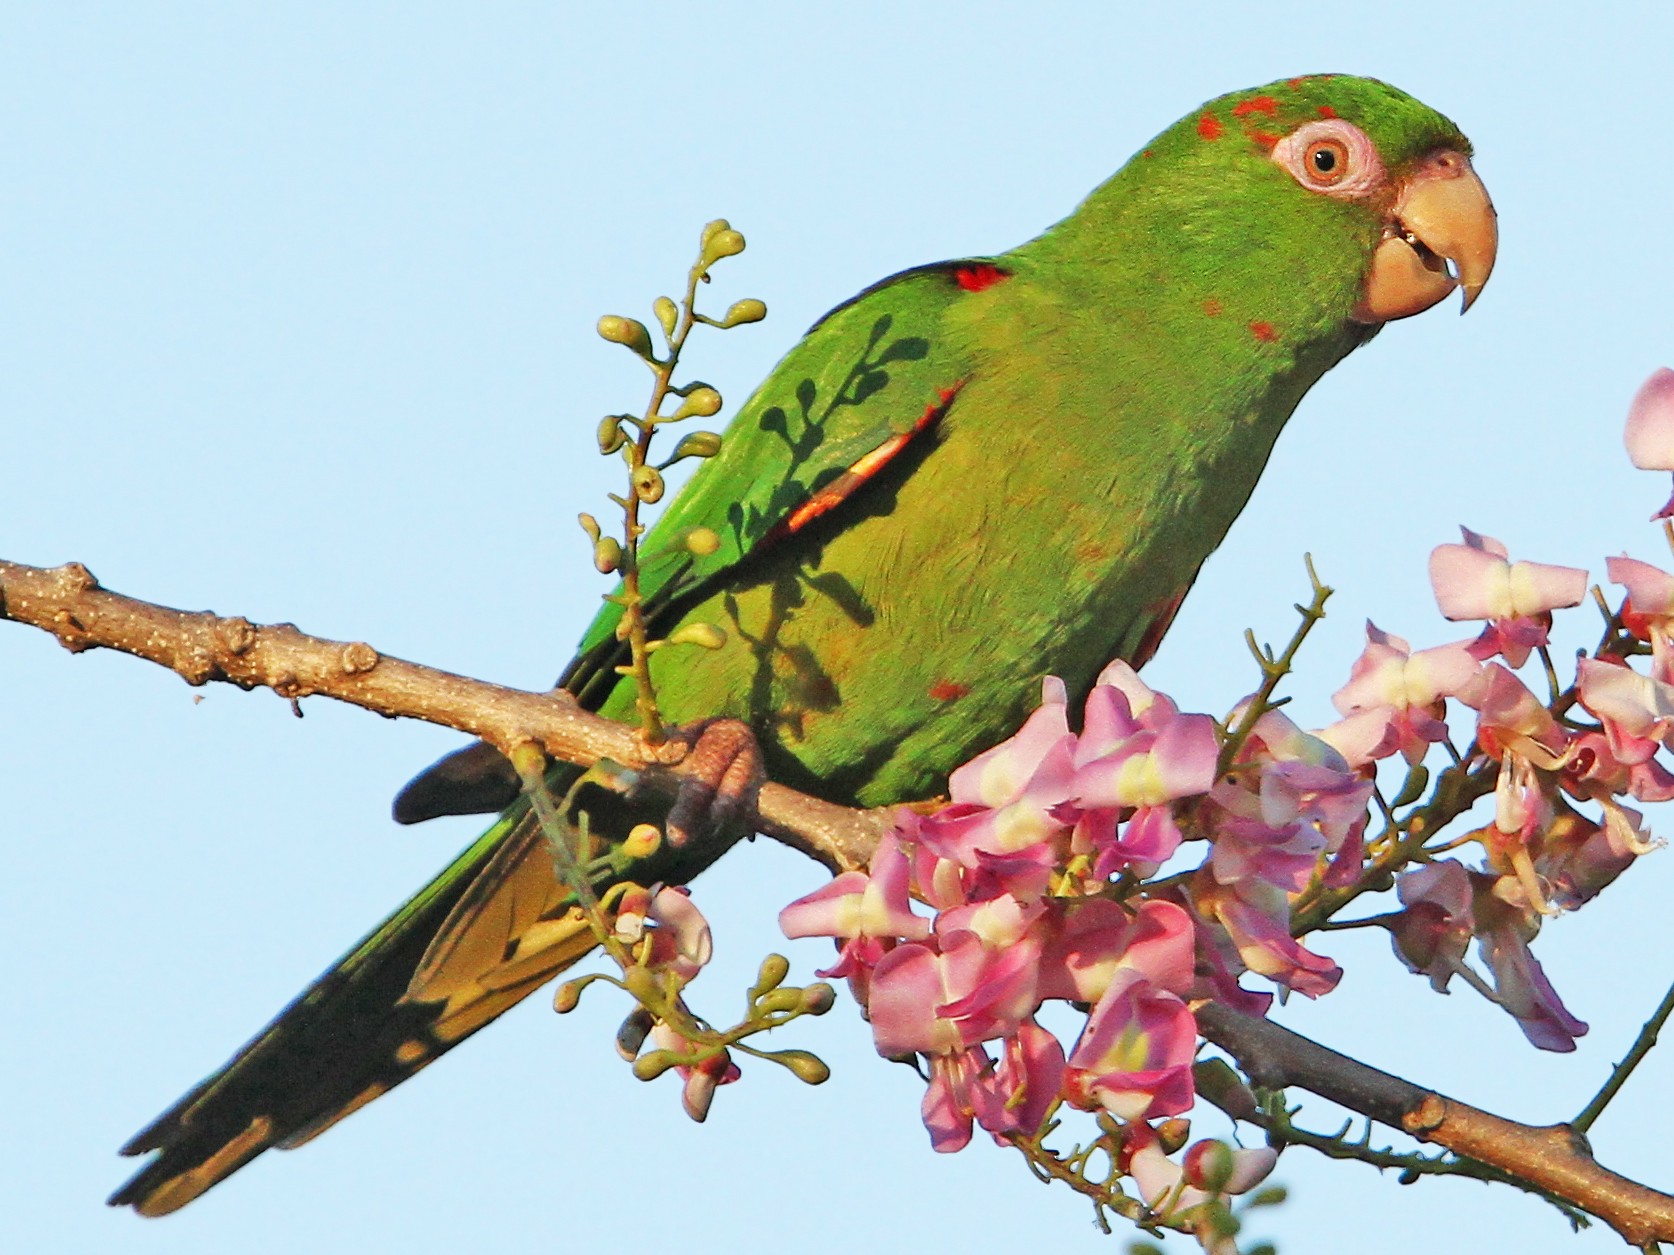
722, 771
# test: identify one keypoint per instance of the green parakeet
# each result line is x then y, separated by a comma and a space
970, 475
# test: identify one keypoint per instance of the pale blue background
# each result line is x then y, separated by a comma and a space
297, 323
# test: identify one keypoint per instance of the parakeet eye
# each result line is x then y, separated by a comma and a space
1327, 160
1331, 156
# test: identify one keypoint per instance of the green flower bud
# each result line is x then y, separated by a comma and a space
648, 1067
701, 402
1173, 1134
589, 524
728, 243
628, 332
805, 1067
568, 996
648, 483
667, 314
607, 554
702, 541
642, 841
1268, 1196
745, 311
611, 435
712, 229
696, 444
774, 968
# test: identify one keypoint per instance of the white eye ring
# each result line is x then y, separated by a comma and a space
1332, 157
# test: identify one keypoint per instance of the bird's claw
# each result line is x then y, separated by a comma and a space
721, 771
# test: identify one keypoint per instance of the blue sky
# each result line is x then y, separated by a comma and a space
298, 325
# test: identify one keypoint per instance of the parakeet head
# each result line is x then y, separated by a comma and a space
1346, 192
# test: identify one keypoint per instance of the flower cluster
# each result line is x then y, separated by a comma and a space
1043, 876
1034, 873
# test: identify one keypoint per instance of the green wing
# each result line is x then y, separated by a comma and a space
488, 930
866, 377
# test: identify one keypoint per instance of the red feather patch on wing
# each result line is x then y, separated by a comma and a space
982, 275
868, 465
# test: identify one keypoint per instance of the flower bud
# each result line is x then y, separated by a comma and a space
805, 1067
697, 444
1208, 1165
607, 554
701, 402
667, 314
702, 541
774, 968
642, 841
611, 435
628, 332
1172, 1134
746, 311
589, 524
648, 483
721, 242
703, 635
648, 1067
818, 998
568, 996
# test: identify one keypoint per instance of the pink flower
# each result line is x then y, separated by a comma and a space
1635, 709
950, 1099
910, 986
1140, 767
1290, 799
1004, 815
1476, 580
1433, 932
701, 1079
1134, 1057
667, 927
1512, 720
1650, 428
1521, 987
867, 913
1016, 1096
1596, 768
1211, 1172
1579, 858
1648, 611
1405, 690
1099, 939
1256, 915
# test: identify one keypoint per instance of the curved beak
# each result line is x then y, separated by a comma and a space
1442, 235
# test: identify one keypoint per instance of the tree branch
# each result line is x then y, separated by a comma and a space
1555, 1158
201, 647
